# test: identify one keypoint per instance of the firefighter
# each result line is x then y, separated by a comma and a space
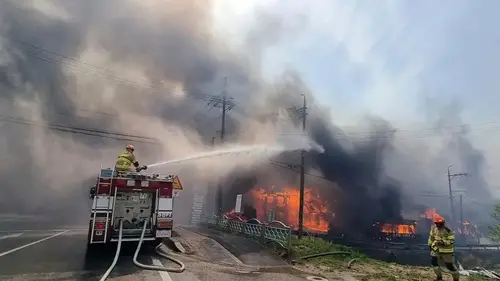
126, 160
441, 240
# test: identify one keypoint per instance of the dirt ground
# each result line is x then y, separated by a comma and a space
374, 271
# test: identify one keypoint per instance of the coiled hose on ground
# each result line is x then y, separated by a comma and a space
157, 249
143, 266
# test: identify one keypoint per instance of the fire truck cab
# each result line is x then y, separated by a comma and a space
131, 199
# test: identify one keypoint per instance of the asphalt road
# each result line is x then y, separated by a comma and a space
60, 254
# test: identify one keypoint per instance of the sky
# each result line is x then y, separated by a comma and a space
404, 61
400, 60
395, 59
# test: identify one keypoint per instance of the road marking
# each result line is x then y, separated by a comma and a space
31, 244
42, 230
163, 274
11, 236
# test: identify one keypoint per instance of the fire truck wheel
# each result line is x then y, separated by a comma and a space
158, 241
94, 249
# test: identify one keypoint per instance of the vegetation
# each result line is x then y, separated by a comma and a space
311, 246
495, 229
363, 269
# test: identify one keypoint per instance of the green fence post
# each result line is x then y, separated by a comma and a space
263, 234
289, 250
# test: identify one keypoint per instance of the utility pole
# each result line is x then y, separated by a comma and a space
303, 112
461, 217
452, 207
226, 104
213, 191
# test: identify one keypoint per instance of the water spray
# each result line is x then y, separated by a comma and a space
289, 144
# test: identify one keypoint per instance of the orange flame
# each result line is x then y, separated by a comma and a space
284, 203
407, 229
430, 213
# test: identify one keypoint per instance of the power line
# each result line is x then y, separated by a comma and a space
216, 101
75, 64
82, 131
294, 168
55, 126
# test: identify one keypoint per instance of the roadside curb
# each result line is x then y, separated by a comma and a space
229, 249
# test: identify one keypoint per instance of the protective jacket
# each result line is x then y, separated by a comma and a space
444, 235
125, 161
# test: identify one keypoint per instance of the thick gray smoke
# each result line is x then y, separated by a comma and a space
118, 66
143, 69
149, 69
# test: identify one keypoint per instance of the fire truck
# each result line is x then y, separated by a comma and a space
131, 206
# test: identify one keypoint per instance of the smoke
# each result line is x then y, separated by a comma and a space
149, 69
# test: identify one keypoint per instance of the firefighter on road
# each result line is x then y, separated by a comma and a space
126, 160
441, 242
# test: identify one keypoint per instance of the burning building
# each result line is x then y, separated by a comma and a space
282, 203
358, 199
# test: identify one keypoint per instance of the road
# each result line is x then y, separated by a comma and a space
59, 254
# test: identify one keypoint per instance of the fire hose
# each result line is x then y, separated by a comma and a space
115, 260
319, 255
143, 266
157, 249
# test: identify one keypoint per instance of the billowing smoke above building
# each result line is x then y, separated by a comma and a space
148, 70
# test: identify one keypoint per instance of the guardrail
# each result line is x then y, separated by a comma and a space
274, 232
281, 234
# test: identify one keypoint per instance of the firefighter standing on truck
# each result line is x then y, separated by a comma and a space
441, 242
126, 160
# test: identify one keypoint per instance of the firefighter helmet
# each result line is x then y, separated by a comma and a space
438, 219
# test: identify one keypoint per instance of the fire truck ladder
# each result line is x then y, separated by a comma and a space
104, 174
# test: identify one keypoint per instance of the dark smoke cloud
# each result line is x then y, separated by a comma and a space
146, 59
366, 194
124, 65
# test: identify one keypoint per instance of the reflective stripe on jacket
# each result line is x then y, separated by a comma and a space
125, 161
441, 234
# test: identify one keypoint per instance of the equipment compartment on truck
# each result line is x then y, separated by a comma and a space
132, 199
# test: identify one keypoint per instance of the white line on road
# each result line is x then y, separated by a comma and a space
163, 274
42, 230
11, 236
31, 244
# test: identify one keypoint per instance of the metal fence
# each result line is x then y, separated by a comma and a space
280, 234
275, 232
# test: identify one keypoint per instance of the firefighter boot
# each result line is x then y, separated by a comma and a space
455, 275
438, 272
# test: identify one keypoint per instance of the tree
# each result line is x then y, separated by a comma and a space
495, 229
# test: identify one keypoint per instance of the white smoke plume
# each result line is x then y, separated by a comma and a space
149, 69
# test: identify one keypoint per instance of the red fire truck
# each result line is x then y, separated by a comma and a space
132, 205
